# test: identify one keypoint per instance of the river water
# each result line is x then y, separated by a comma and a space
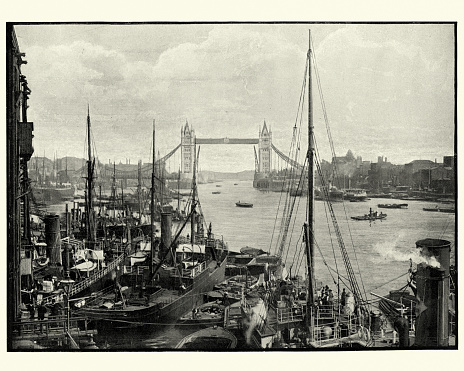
380, 250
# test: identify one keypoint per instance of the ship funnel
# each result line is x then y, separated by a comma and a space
166, 226
53, 238
433, 288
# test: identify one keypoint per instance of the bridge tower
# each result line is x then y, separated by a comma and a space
264, 146
187, 151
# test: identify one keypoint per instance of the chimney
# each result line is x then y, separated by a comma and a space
166, 224
53, 238
433, 289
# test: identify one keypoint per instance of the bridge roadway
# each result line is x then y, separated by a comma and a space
147, 168
227, 141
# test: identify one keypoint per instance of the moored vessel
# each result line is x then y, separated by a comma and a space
175, 279
211, 338
243, 204
393, 206
290, 312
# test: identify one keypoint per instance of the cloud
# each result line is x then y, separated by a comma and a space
227, 79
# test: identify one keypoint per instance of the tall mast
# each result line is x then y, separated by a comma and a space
113, 189
139, 189
161, 178
194, 191
178, 192
43, 169
122, 199
89, 229
37, 169
310, 216
152, 205
53, 175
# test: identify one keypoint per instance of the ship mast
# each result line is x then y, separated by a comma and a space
309, 226
194, 191
161, 178
139, 189
152, 205
113, 189
178, 192
89, 219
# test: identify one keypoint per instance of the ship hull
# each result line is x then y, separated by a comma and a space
154, 313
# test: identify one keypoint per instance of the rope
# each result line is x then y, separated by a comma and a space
352, 277
394, 279
293, 147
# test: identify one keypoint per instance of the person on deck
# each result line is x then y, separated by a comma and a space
56, 308
343, 298
41, 311
31, 309
330, 299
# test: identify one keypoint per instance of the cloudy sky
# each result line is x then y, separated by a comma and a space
388, 88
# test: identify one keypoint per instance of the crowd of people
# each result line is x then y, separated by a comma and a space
325, 296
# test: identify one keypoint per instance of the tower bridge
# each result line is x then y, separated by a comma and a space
263, 158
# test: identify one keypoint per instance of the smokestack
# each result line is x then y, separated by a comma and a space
433, 288
166, 224
53, 238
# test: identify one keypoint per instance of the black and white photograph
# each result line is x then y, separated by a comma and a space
231, 186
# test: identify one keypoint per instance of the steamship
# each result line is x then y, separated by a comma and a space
175, 277
165, 293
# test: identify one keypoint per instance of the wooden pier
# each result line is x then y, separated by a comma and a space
52, 333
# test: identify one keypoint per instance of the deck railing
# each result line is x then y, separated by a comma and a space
135, 269
289, 315
195, 271
328, 324
49, 327
81, 285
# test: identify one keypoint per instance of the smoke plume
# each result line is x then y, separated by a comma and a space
392, 251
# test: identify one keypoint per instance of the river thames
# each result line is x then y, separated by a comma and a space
381, 251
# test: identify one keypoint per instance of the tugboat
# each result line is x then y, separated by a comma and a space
371, 216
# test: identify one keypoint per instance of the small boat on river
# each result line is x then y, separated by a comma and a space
206, 315
393, 206
371, 216
441, 209
243, 204
216, 193
211, 338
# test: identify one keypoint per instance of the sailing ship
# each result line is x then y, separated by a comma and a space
89, 261
176, 277
289, 313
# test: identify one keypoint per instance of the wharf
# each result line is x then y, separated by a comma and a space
52, 332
